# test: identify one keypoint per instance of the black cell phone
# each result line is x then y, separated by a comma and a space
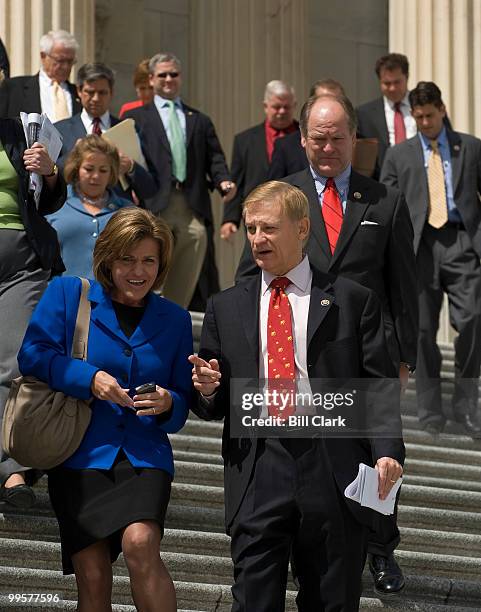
149, 387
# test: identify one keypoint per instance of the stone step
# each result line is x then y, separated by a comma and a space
217, 569
456, 521
210, 543
461, 595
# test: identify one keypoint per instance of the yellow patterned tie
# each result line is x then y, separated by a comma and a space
438, 205
60, 107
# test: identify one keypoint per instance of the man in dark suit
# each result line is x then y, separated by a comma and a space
253, 148
48, 91
286, 494
95, 85
439, 172
188, 158
289, 155
388, 118
375, 248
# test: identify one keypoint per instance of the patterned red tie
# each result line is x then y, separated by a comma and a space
96, 126
280, 349
332, 212
399, 127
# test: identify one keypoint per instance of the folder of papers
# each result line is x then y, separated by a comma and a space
364, 490
124, 137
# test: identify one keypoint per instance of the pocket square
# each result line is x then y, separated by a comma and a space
366, 222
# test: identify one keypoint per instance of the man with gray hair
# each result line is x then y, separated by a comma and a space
188, 158
48, 91
253, 148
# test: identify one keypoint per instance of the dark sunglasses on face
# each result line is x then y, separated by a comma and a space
164, 75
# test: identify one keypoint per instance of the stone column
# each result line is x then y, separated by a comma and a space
236, 47
23, 22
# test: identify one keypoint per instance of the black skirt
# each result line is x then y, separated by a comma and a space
93, 504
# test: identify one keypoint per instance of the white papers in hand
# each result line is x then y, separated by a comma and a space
49, 136
364, 490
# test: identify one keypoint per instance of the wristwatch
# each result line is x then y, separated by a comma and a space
54, 171
408, 366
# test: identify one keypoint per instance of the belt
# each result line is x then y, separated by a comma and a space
177, 185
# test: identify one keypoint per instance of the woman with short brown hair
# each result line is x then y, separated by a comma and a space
111, 495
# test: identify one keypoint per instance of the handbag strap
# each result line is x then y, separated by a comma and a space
82, 324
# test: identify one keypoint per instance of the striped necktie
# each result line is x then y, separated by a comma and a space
438, 205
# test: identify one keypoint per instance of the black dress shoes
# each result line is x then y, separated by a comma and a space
469, 424
388, 576
20, 496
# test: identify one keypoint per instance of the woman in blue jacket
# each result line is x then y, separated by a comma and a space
91, 170
111, 495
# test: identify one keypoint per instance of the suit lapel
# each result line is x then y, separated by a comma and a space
319, 305
32, 90
259, 147
457, 157
104, 315
356, 206
248, 311
416, 161
190, 119
151, 323
318, 229
379, 119
154, 122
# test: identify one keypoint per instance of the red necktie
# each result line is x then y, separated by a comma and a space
399, 127
332, 212
96, 126
280, 349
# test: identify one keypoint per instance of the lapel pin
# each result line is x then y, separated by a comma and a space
457, 148
357, 195
325, 302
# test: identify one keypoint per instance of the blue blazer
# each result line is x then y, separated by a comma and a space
157, 351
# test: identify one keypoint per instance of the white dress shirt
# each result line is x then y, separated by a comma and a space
299, 295
405, 108
88, 121
46, 95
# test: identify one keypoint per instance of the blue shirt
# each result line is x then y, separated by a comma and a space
78, 230
341, 181
162, 105
443, 145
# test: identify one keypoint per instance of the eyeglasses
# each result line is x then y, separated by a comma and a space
164, 75
62, 61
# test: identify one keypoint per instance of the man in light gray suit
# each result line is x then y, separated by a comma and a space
439, 172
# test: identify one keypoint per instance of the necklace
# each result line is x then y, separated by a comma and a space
98, 202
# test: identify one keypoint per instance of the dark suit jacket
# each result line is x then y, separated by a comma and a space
206, 165
404, 169
250, 167
289, 157
41, 235
347, 336
143, 182
22, 93
378, 255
